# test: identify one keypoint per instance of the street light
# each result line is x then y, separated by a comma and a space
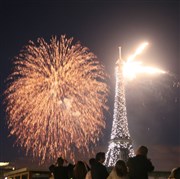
3, 164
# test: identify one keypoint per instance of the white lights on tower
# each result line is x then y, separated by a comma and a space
120, 145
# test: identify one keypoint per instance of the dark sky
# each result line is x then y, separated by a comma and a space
152, 102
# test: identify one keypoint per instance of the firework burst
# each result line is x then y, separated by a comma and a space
55, 98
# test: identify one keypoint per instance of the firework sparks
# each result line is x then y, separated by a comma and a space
56, 98
131, 68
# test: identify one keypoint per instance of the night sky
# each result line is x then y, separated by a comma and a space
152, 101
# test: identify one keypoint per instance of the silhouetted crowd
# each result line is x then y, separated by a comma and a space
136, 167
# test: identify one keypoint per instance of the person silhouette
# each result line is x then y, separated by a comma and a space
98, 170
175, 173
59, 171
140, 165
80, 170
92, 161
119, 171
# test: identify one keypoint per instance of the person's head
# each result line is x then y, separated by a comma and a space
100, 157
142, 150
175, 173
92, 161
60, 161
80, 170
120, 168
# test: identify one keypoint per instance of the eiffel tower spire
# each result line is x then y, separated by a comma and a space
120, 144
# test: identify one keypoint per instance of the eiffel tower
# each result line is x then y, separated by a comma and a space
120, 144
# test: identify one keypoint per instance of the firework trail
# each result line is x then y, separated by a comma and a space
55, 99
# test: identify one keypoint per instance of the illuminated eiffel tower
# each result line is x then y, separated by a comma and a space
120, 144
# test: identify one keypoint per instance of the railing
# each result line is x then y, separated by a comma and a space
159, 175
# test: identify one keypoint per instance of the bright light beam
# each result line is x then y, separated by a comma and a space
131, 68
138, 51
